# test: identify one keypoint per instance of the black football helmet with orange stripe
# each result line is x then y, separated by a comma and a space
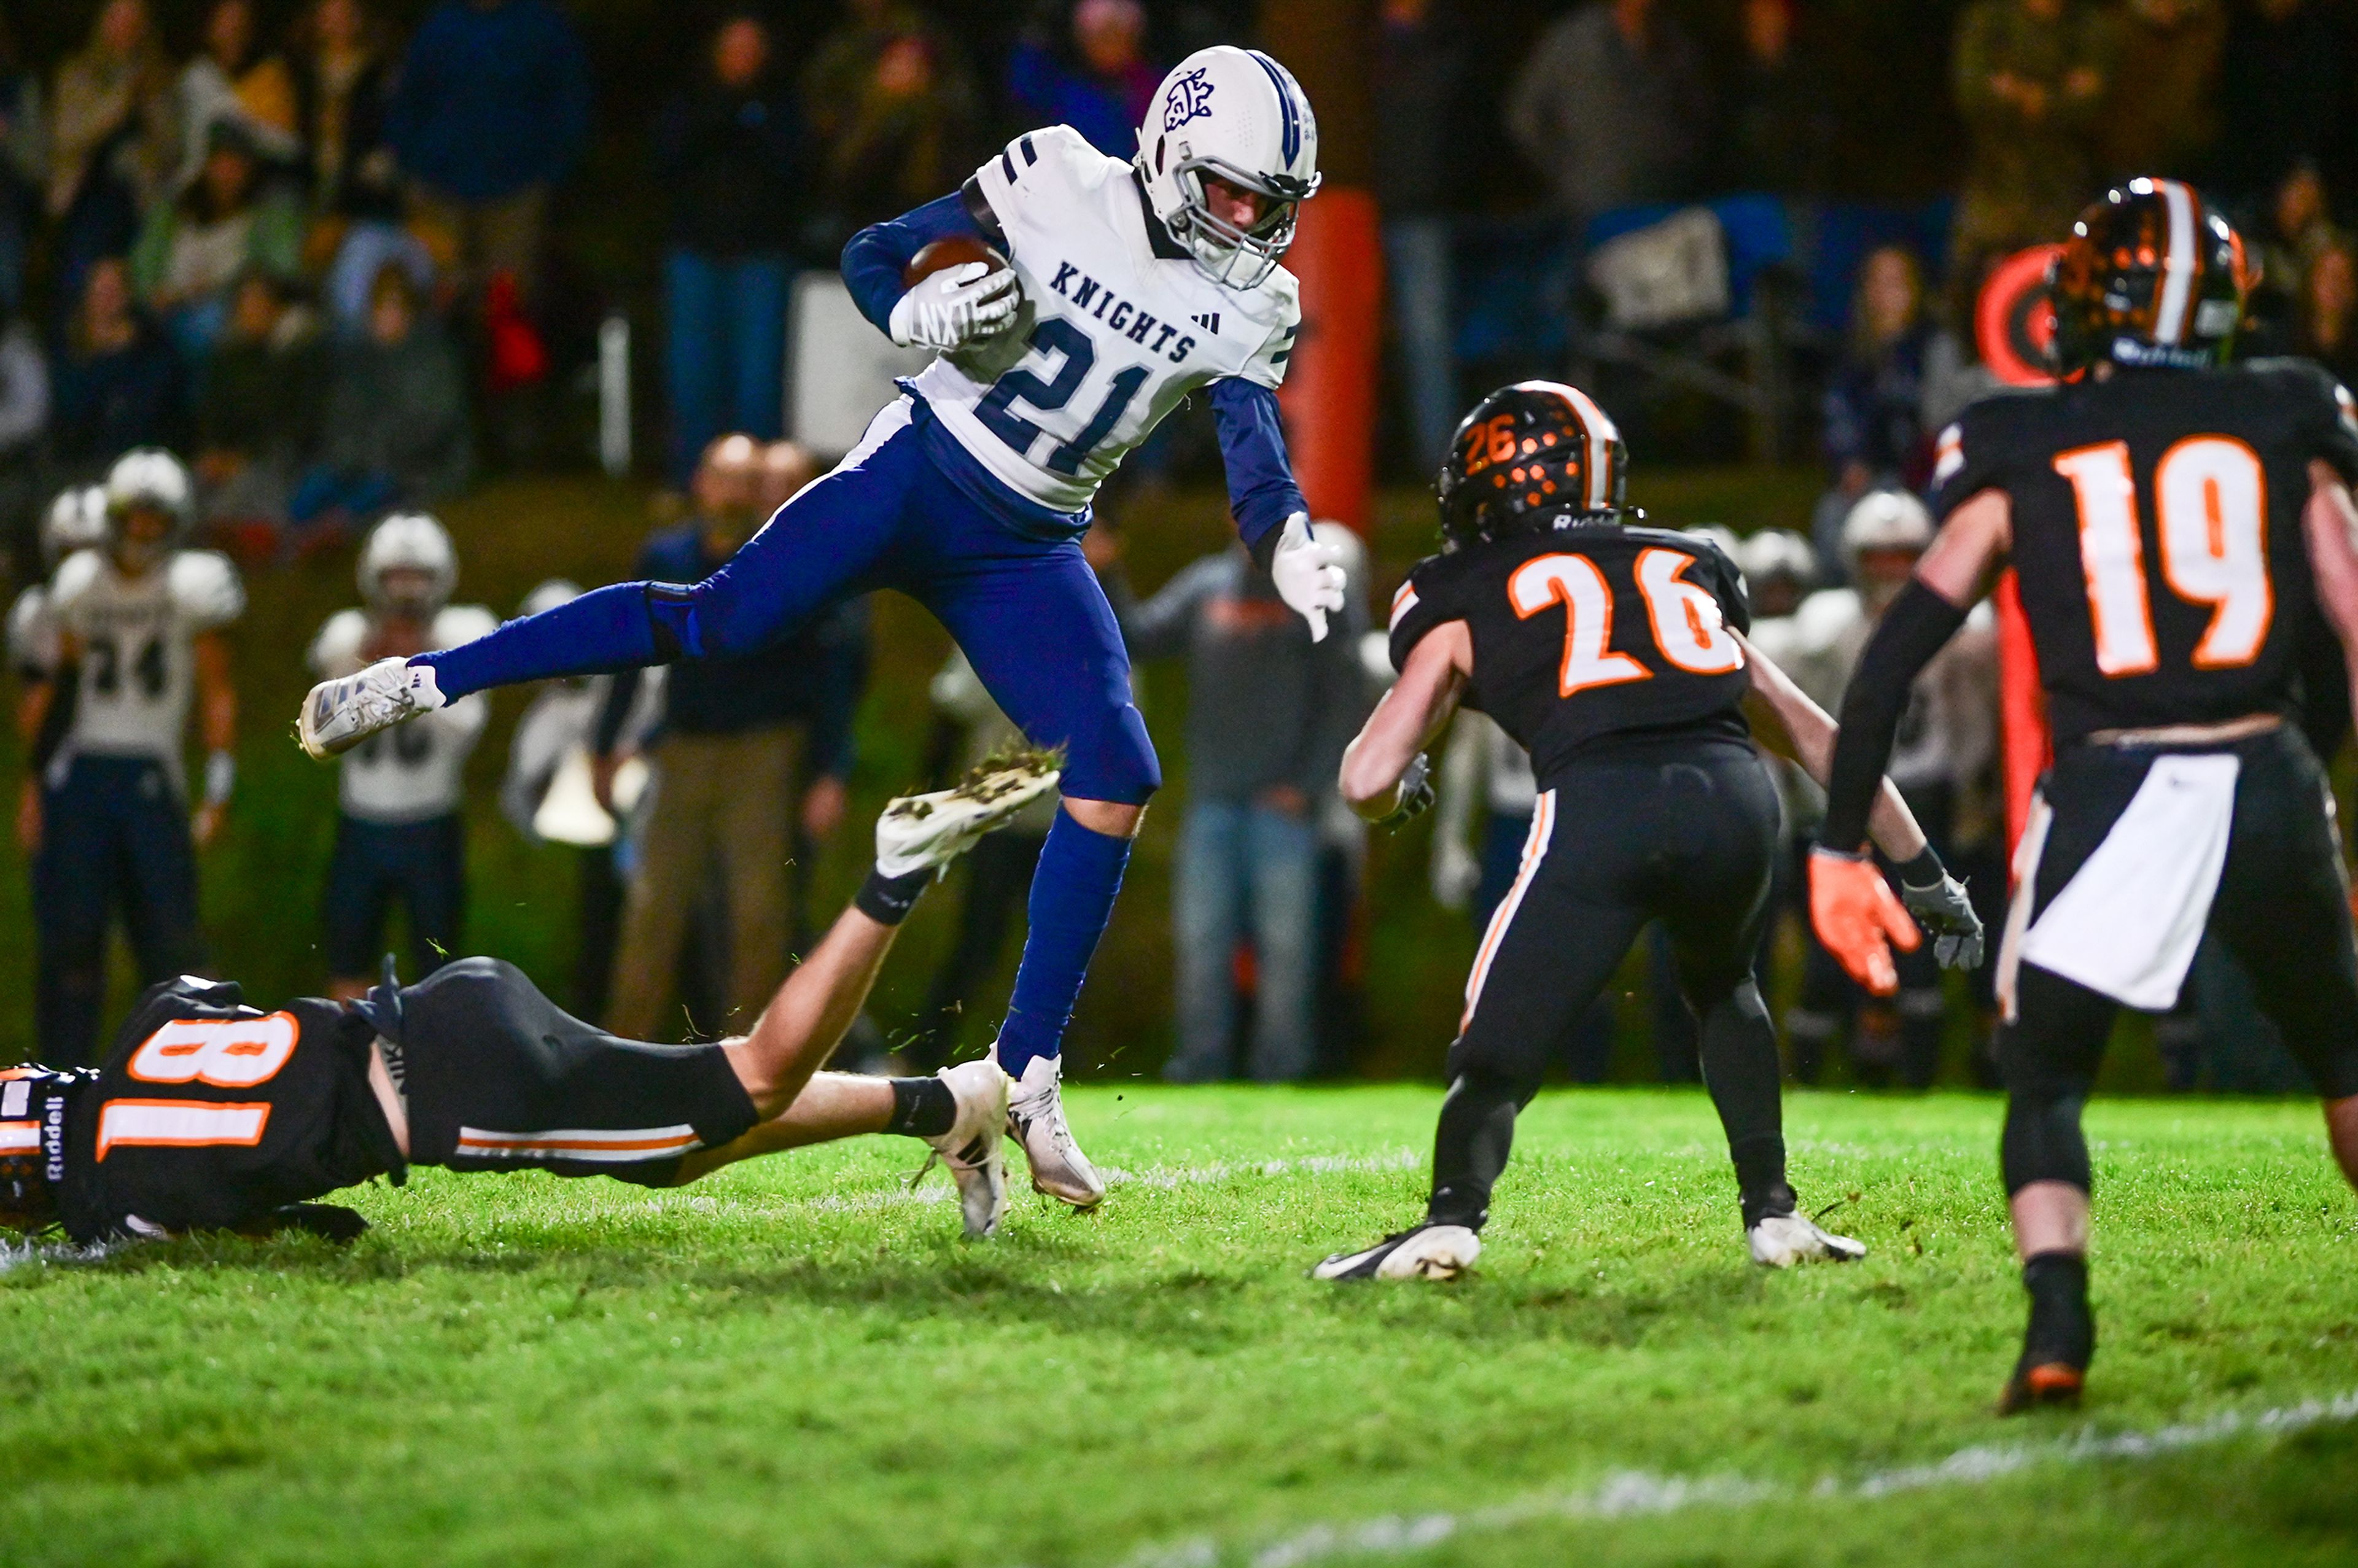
2152, 278
1530, 455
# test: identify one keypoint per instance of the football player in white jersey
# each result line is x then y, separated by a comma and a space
399, 830
1093, 294
138, 623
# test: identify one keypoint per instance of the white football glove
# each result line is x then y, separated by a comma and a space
956, 306
1309, 575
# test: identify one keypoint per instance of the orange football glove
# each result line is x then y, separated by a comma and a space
1856, 913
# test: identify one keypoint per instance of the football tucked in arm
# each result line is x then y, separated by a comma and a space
958, 291
954, 250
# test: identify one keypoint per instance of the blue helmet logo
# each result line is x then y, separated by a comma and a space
1191, 99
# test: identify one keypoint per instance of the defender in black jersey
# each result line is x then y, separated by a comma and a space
212, 1115
2182, 530
1616, 654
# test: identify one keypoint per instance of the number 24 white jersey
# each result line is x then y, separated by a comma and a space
1110, 337
133, 639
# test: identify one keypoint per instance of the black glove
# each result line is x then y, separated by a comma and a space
1415, 793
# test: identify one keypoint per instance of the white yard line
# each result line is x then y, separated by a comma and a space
1163, 1178
1639, 1495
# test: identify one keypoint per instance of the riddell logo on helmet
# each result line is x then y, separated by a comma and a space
1191, 99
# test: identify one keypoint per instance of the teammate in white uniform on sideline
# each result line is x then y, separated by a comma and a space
138, 624
1092, 296
400, 832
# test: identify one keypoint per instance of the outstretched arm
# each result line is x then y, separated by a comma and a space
1780, 710
1409, 718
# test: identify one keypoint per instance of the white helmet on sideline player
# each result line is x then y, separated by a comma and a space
549, 595
409, 542
76, 521
1775, 554
1238, 114
1886, 520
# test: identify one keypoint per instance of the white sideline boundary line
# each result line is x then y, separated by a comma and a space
1635, 1494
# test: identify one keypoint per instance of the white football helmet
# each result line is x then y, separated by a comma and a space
415, 542
1886, 520
1238, 115
549, 595
76, 521
1775, 553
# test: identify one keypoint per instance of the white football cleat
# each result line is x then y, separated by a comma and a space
971, 1148
1428, 1252
1781, 1240
341, 714
922, 832
1035, 1119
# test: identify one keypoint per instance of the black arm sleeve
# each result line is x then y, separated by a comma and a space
1919, 622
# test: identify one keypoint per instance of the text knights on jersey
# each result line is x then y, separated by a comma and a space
1122, 317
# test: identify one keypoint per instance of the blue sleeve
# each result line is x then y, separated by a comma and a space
1261, 491
873, 260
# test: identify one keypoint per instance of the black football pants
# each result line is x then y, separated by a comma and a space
1688, 838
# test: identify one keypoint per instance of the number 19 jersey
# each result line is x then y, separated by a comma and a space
1589, 639
2157, 538
1113, 331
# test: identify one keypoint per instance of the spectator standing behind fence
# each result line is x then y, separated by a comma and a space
730, 149
193, 248
2030, 79
1420, 62
2300, 229
117, 382
1099, 85
725, 766
232, 81
395, 430
1268, 712
114, 139
2286, 91
1611, 107
257, 410
401, 834
24, 166
344, 70
2161, 116
1874, 434
891, 105
2325, 325
490, 107
1779, 129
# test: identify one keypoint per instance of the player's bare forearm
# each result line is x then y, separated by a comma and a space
1970, 550
216, 693
1410, 715
807, 1020
830, 1105
1809, 735
2330, 524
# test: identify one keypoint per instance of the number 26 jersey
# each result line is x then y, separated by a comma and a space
2157, 538
1589, 638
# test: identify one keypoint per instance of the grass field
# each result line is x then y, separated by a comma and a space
799, 1363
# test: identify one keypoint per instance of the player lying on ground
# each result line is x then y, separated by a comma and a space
214, 1116
2182, 534
1095, 295
1615, 654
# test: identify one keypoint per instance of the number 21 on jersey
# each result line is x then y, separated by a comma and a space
1684, 617
2210, 510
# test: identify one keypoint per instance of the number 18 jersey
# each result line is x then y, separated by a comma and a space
1589, 638
1112, 333
2157, 539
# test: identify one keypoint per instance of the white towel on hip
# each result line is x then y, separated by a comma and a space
2129, 922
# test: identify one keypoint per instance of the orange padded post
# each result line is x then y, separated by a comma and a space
1329, 396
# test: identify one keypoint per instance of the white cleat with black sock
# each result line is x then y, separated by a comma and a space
339, 714
1428, 1252
1781, 1240
972, 1148
1035, 1119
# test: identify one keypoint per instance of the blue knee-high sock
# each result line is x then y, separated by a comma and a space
1071, 899
605, 630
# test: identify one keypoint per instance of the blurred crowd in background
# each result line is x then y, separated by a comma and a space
347, 256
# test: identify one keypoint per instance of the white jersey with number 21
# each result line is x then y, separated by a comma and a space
1110, 337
